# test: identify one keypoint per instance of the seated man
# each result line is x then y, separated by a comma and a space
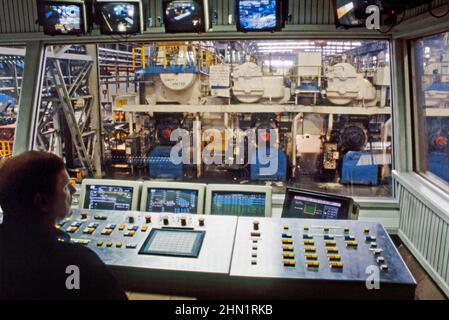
37, 261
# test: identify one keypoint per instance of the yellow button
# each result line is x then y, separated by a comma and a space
313, 264
287, 241
119, 244
288, 255
311, 257
366, 230
309, 242
289, 263
287, 248
310, 249
326, 228
330, 243
334, 257
121, 227
332, 250
285, 227
352, 243
109, 244
306, 228
346, 229
336, 265
99, 243
144, 228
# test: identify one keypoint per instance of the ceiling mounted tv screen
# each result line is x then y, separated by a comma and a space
63, 17
119, 17
259, 15
351, 13
186, 16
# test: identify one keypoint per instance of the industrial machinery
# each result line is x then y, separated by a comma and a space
436, 80
345, 86
438, 142
309, 75
355, 148
250, 85
6, 140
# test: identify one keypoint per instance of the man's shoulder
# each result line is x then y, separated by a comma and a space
77, 251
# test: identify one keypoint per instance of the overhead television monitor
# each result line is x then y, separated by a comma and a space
119, 17
173, 197
351, 13
66, 17
259, 15
238, 200
186, 16
113, 195
306, 204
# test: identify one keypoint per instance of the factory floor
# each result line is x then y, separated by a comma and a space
425, 290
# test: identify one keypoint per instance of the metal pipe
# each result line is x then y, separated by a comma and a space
294, 132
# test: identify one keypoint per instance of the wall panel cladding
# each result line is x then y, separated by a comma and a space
17, 16
426, 234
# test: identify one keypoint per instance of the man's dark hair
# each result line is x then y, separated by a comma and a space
23, 177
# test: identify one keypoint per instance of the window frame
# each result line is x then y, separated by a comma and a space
417, 110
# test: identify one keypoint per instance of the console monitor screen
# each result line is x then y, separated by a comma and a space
172, 200
173, 242
258, 15
184, 16
101, 197
238, 203
119, 17
310, 205
60, 18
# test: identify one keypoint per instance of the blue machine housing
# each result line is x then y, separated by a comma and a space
353, 173
5, 99
438, 164
161, 166
281, 173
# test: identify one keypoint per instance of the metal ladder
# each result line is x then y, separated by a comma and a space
65, 96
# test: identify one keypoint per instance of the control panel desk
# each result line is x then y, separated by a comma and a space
305, 259
120, 240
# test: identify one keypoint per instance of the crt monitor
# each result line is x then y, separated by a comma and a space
66, 17
238, 200
172, 197
306, 204
110, 194
183, 16
259, 15
351, 13
119, 17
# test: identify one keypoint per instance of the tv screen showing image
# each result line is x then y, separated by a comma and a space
119, 17
351, 13
63, 18
258, 15
182, 16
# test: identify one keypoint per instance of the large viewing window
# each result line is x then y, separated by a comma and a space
314, 114
431, 70
11, 70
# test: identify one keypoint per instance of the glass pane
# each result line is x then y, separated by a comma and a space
314, 114
11, 71
432, 70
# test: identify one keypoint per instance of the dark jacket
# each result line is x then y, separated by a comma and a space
34, 265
